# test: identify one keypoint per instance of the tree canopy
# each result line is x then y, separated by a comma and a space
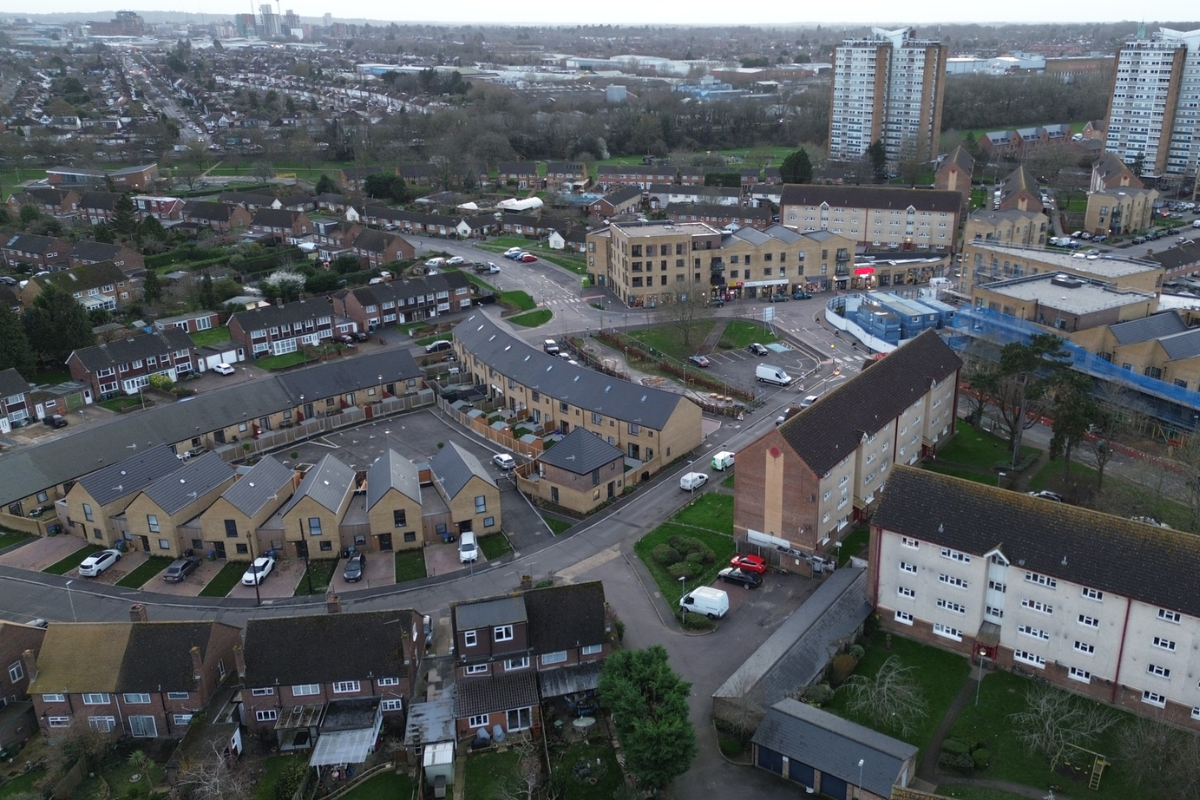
797, 167
56, 324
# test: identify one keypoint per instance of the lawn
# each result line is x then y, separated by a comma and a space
670, 587
853, 545
740, 334
53, 376
1002, 695
112, 779
532, 319
494, 546
141, 575
224, 581
211, 336
975, 448
72, 561
975, 793
410, 565
320, 572
10, 537
119, 404
728, 482
939, 673
386, 785
608, 778
711, 511
557, 526
273, 768
514, 299
284, 361
668, 339
21, 785
486, 774
1052, 473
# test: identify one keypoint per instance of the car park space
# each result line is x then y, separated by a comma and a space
441, 559
379, 570
282, 582
41, 552
189, 586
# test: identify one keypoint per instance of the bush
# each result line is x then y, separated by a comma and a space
981, 757
290, 779
843, 667
666, 555
955, 747
684, 569
959, 763
820, 694
688, 545
856, 651
695, 558
731, 746
696, 622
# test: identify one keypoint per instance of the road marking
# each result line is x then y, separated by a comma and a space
589, 563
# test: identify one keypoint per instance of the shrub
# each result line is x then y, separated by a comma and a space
820, 694
843, 667
731, 746
956, 747
695, 558
290, 779
696, 622
666, 555
684, 569
688, 545
620, 626
959, 763
981, 757
856, 651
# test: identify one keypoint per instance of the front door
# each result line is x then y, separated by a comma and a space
145, 543
220, 548
385, 543
612, 489
301, 549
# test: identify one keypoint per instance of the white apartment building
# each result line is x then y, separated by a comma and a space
1155, 105
888, 86
1098, 604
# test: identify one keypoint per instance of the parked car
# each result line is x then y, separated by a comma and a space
1150, 521
809, 400
779, 298
96, 563
180, 568
355, 565
438, 346
55, 421
361, 336
527, 258
699, 361
1139, 240
550, 346
717, 302
512, 252
504, 461
755, 564
224, 369
801, 295
734, 575
468, 550
455, 261
258, 571
1045, 494
346, 339
757, 349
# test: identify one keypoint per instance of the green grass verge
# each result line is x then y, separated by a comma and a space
10, 537
669, 339
494, 546
557, 526
72, 561
608, 781
410, 565
211, 336
384, 786
853, 545
939, 673
283, 362
144, 573
711, 511
488, 773
976, 793
514, 299
532, 319
976, 448
119, 404
728, 482
670, 587
224, 581
740, 334
320, 570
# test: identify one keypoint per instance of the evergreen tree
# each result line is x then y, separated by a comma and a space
797, 167
103, 234
57, 325
15, 352
124, 221
208, 297
29, 215
878, 157
326, 185
151, 287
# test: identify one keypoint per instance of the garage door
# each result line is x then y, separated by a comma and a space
833, 787
770, 760
800, 773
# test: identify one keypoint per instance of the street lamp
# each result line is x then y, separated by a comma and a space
71, 599
860, 770
257, 579
682, 592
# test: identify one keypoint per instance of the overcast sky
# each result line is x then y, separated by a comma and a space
708, 12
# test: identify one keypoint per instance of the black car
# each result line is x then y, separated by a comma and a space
353, 573
55, 421
361, 336
735, 575
180, 568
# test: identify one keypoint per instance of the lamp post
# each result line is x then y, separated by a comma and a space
71, 600
682, 592
860, 771
257, 580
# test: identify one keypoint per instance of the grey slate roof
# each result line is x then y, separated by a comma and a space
1146, 328
834, 745
11, 383
487, 695
94, 251
1157, 566
276, 217
1182, 345
807, 194
826, 432
349, 374
207, 211
569, 680
31, 243
588, 389
135, 348
623, 195
195, 478
327, 483
565, 617
258, 486
286, 314
401, 290
129, 475
392, 471
580, 452
85, 276
357, 646
454, 468
158, 656
474, 614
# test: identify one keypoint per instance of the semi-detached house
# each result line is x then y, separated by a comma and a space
125, 365
284, 328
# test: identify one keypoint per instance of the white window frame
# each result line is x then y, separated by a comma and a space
96, 699
502, 633
904, 618
477, 669
306, 689
592, 649
394, 704
267, 692
1164, 644
136, 699
478, 720
266, 715
1081, 675
909, 568
59, 722
178, 695
102, 724
904, 591
1085, 648
1032, 659
470, 639
1154, 699
389, 681
557, 657
182, 719
16, 672
513, 664
346, 687
1090, 622
947, 631
54, 698
1159, 671
1167, 615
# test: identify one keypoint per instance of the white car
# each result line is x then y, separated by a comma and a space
454, 261
504, 461
96, 563
224, 369
258, 571
512, 252
808, 401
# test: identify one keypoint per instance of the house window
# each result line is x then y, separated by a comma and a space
904, 618
136, 699
904, 591
1036, 633
519, 719
554, 658
231, 531
951, 606
516, 663
502, 633
389, 681
266, 715
1041, 580
1154, 699
469, 639
314, 526
392, 705
1036, 606
182, 719
164, 544
143, 727
478, 720
267, 692
54, 698
400, 518
592, 649
947, 631
1033, 659
410, 536
1169, 616
102, 724
909, 542
1090, 622
16, 672
60, 722
1162, 672
955, 555
1086, 649
345, 687
152, 522
1092, 594
489, 522
906, 567
1165, 644
950, 580
1081, 675
480, 504
477, 669
95, 699
306, 689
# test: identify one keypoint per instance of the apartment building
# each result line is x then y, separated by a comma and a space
1064, 302
1012, 227
1019, 191
125, 365
1097, 604
651, 426
1155, 90
984, 262
887, 86
1164, 346
801, 484
875, 216
1120, 211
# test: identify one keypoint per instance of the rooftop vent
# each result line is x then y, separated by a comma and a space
1066, 281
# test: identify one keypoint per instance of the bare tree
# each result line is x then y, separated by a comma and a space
738, 707
215, 777
1054, 721
529, 775
892, 699
685, 312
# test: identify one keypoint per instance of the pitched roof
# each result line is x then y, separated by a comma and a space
85, 276
1155, 565
376, 241
356, 646
454, 467
833, 745
1181, 345
622, 195
517, 168
209, 212
586, 388
258, 487
392, 471
350, 375
807, 194
100, 201
826, 432
1020, 179
580, 452
192, 480
95, 251
129, 475
717, 210
159, 654
1146, 328
135, 348
565, 617
81, 657
31, 243
278, 315
276, 217
328, 483
492, 693
12, 383
960, 158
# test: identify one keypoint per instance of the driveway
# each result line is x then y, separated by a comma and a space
37, 554
380, 571
189, 586
282, 581
443, 558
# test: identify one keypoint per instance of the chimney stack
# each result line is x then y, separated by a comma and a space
333, 603
197, 663
29, 659
137, 613
239, 660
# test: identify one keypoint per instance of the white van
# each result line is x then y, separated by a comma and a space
436, 262
692, 481
1196, 223
765, 373
722, 461
467, 549
713, 603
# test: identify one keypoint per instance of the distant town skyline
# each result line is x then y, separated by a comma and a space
629, 12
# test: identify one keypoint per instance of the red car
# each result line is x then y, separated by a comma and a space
754, 564
527, 258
